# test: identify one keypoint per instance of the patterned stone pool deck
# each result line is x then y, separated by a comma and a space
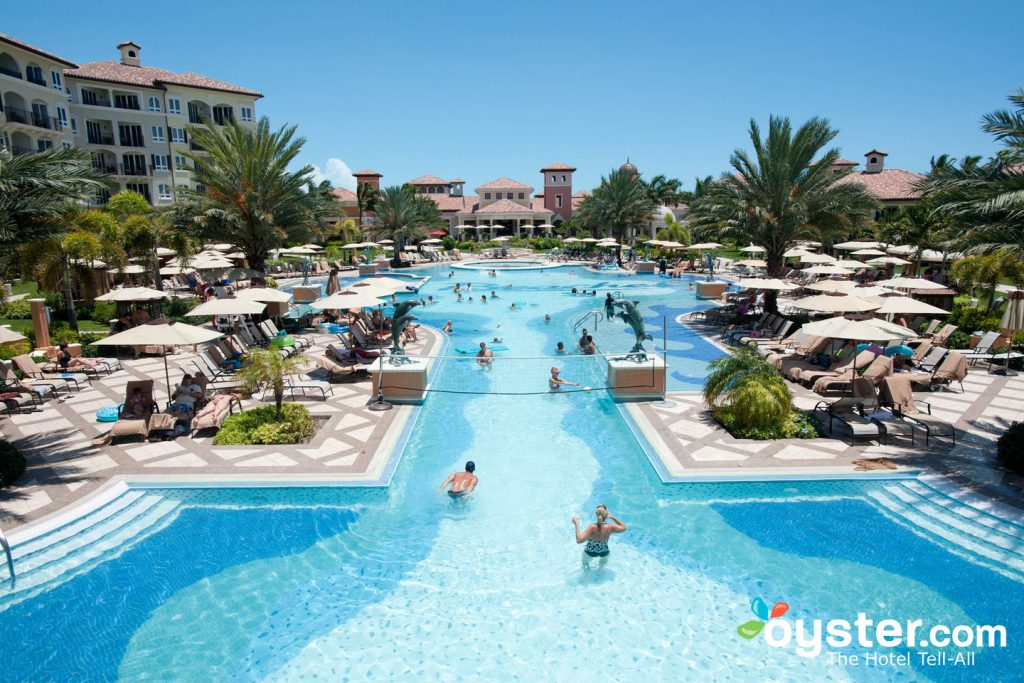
359, 447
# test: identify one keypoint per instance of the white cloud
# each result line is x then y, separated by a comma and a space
338, 172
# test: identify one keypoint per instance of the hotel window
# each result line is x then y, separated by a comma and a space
43, 145
558, 201
522, 195
126, 102
66, 145
56, 80
173, 106
164, 190
178, 135
62, 116
487, 195
74, 126
247, 113
33, 74
160, 162
563, 179
131, 135
508, 195
180, 164
554, 178
158, 133
154, 103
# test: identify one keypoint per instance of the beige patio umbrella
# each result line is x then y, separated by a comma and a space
765, 283
546, 226
501, 239
903, 249
589, 240
908, 306
844, 286
164, 251
835, 303
851, 264
754, 249
223, 246
870, 251
265, 294
704, 246
867, 291
9, 336
828, 270
855, 244
227, 305
909, 283
161, 332
571, 240
347, 299
796, 251
889, 260
173, 270
753, 263
393, 283
432, 240
300, 251
817, 258
352, 245
673, 245
385, 241
367, 287
870, 329
134, 269
132, 294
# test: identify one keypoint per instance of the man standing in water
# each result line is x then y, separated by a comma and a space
462, 483
484, 356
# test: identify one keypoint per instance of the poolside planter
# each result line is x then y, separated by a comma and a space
368, 269
406, 383
629, 380
645, 267
711, 290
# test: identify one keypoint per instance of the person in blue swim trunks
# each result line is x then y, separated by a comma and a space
461, 483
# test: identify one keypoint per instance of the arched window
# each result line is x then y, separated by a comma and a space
874, 160
154, 103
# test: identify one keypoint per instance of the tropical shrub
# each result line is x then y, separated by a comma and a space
9, 351
102, 312
747, 395
15, 310
958, 340
971, 319
61, 333
1010, 448
176, 307
270, 282
12, 464
261, 426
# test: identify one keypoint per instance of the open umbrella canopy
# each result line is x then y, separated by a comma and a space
132, 294
909, 283
868, 252
590, 240
857, 244
570, 240
835, 303
300, 251
346, 299
223, 246
608, 244
164, 251
227, 305
796, 251
673, 245
765, 283
754, 249
817, 258
351, 245
381, 291
704, 246
432, 240
173, 270
868, 291
871, 329
160, 332
264, 294
828, 270
9, 336
902, 249
844, 286
851, 263
133, 269
753, 263
314, 247
889, 260
501, 239
393, 283
907, 305
389, 241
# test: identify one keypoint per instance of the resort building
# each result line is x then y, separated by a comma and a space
894, 188
502, 207
132, 118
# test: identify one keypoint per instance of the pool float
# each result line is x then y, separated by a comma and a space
903, 350
492, 347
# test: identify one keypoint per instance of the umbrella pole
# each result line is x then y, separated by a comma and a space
167, 376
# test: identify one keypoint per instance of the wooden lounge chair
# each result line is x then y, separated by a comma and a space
32, 369
897, 394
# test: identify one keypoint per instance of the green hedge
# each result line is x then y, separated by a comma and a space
259, 426
797, 426
12, 464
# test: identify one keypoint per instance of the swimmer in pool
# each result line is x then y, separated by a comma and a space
547, 317
596, 535
447, 329
462, 483
484, 356
513, 306
555, 383
560, 349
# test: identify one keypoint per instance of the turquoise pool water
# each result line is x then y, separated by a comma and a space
400, 584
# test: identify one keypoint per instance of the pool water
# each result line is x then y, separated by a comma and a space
401, 584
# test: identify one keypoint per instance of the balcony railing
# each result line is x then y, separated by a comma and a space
133, 169
11, 72
197, 118
129, 142
105, 167
31, 118
93, 100
37, 81
100, 139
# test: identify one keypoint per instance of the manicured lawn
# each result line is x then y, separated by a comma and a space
23, 287
25, 326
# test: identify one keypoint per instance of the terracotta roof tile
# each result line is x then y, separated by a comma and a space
558, 167
447, 203
888, 185
367, 172
456, 180
4, 38
344, 195
428, 180
151, 77
505, 184
509, 206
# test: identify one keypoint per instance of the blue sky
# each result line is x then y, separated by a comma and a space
486, 89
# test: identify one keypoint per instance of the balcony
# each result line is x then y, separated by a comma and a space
11, 72
36, 79
198, 119
31, 118
129, 142
105, 167
133, 169
94, 99
195, 148
100, 139
18, 151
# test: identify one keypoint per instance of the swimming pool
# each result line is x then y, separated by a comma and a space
397, 583
503, 264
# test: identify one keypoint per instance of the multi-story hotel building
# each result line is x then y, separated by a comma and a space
132, 118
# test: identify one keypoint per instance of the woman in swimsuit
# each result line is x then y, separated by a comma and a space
596, 535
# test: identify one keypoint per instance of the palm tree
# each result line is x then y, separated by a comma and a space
664, 191
986, 200
675, 231
251, 199
265, 367
918, 225
36, 187
402, 215
64, 262
749, 389
620, 204
988, 270
784, 193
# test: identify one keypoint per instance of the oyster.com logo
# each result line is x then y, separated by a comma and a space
751, 629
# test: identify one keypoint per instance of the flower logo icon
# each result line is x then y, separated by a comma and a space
750, 629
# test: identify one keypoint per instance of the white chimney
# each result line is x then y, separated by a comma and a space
875, 161
130, 53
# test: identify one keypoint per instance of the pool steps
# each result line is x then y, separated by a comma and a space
98, 536
966, 523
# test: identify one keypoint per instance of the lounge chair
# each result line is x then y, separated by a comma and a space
214, 413
305, 384
131, 423
40, 387
98, 365
861, 360
339, 364
953, 368
32, 369
930, 330
897, 394
983, 349
878, 370
850, 410
802, 358
942, 335
919, 352
270, 329
932, 359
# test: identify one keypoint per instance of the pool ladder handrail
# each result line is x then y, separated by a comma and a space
597, 315
7, 551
